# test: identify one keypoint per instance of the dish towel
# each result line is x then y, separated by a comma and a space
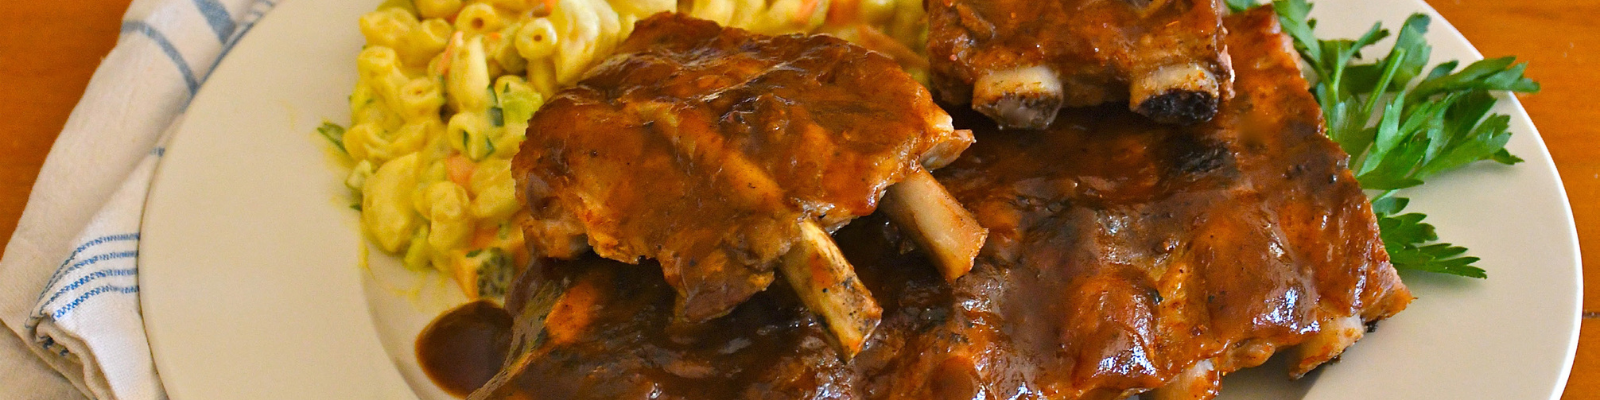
68, 279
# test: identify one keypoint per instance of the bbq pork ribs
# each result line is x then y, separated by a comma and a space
726, 156
1133, 256
1019, 61
1128, 257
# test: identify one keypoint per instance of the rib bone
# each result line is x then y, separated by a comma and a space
949, 233
1326, 345
1176, 94
828, 286
813, 265
1200, 381
1022, 97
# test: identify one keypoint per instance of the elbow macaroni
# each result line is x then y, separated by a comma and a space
770, 17
445, 90
437, 8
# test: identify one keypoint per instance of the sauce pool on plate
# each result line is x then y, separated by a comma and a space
464, 347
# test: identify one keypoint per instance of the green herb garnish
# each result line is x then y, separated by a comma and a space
1401, 127
1239, 6
334, 133
1406, 238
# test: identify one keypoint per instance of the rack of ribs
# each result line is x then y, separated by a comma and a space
727, 156
1127, 257
1019, 61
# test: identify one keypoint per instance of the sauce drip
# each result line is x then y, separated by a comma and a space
465, 346
619, 339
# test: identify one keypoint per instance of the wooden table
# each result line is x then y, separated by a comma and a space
48, 50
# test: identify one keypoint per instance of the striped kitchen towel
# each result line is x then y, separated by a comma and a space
68, 279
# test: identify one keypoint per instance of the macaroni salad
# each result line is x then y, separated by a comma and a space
446, 88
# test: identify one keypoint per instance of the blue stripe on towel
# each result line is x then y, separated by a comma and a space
227, 44
103, 257
167, 47
85, 280
63, 311
85, 246
217, 17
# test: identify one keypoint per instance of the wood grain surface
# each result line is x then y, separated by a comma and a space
48, 50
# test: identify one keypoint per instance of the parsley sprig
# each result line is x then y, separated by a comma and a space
1401, 126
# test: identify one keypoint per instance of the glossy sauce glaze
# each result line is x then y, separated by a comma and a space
1094, 46
1123, 254
705, 148
612, 334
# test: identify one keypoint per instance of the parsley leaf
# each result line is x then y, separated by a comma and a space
1408, 241
1239, 6
1401, 127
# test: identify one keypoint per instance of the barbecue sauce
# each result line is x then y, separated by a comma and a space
704, 148
1121, 253
464, 347
633, 344
1096, 47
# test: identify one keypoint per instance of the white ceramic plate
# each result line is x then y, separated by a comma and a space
250, 287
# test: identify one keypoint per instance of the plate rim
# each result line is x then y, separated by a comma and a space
1561, 193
